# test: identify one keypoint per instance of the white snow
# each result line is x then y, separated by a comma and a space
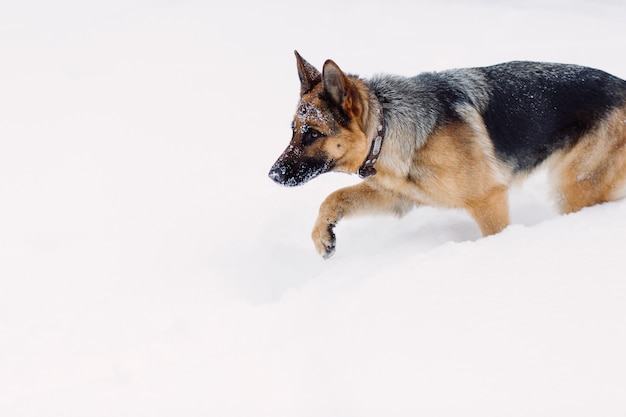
148, 266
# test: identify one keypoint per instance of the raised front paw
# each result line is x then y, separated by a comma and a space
324, 239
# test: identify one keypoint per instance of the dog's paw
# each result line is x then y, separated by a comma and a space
324, 240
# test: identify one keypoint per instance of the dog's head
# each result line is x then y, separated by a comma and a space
328, 127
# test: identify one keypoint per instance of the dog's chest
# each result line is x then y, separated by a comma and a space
415, 188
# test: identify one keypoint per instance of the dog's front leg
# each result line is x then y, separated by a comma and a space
362, 198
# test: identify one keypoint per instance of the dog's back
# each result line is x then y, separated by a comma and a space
530, 109
535, 109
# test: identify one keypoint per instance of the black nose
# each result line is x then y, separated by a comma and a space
277, 174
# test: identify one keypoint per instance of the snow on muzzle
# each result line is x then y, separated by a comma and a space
291, 169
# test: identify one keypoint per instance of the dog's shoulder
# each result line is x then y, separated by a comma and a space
428, 100
432, 89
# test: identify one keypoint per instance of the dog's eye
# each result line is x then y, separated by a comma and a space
310, 136
293, 125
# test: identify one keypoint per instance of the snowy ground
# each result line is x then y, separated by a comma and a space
148, 266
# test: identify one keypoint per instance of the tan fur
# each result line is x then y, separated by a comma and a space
455, 168
362, 198
593, 171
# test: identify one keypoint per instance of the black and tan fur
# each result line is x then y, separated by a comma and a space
458, 139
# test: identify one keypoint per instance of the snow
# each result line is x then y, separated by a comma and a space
148, 266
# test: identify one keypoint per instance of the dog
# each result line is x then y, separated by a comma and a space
457, 138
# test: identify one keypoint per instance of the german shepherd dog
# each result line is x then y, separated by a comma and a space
457, 138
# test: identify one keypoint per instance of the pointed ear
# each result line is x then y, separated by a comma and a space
309, 75
335, 82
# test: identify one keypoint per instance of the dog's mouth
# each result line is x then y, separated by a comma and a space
294, 173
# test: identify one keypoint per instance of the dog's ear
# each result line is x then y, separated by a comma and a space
309, 75
335, 82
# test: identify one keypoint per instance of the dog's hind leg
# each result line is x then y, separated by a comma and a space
362, 198
491, 211
593, 171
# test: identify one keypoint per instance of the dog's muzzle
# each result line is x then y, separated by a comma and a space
291, 173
